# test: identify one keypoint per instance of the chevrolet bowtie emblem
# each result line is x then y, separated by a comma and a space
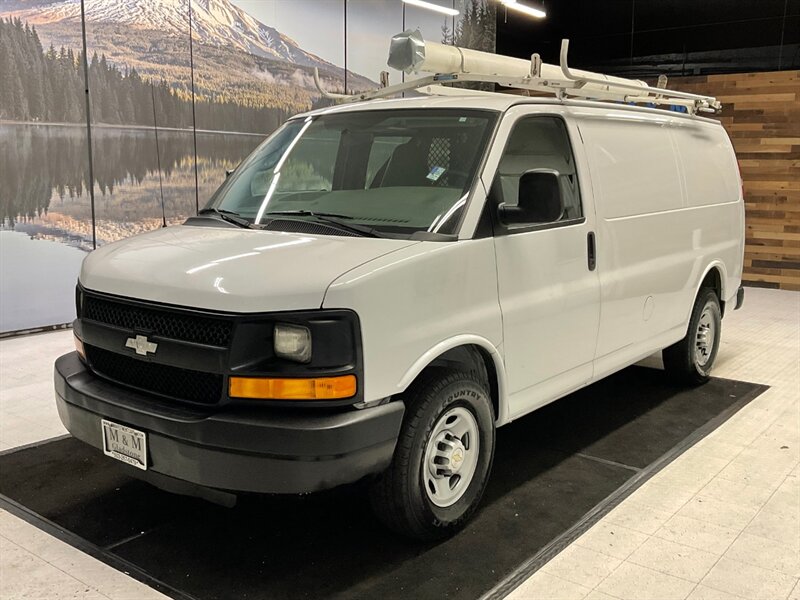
141, 344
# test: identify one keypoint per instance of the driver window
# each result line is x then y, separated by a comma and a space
539, 143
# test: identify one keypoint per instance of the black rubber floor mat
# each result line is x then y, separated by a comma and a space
551, 468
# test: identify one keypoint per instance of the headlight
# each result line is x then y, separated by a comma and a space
292, 342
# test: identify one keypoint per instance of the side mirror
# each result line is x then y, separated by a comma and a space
539, 199
512, 215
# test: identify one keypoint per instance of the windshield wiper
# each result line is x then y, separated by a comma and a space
333, 219
227, 215
310, 213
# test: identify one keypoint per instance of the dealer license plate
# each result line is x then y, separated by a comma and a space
125, 444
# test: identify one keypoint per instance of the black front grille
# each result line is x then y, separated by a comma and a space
173, 382
161, 322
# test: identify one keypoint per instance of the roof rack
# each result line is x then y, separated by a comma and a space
450, 64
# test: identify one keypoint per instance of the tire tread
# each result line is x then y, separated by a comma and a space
391, 493
679, 357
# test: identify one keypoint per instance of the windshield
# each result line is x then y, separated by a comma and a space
393, 171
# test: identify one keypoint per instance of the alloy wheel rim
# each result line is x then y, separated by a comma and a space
451, 457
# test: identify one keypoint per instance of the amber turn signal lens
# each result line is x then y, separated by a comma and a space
79, 347
267, 388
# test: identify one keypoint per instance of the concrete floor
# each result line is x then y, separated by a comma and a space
721, 522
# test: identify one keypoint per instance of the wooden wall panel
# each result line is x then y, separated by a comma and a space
761, 112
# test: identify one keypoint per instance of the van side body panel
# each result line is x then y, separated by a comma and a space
669, 208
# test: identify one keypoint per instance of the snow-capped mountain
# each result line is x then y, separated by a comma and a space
215, 22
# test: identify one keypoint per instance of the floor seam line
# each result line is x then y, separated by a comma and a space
130, 538
728, 547
57, 567
606, 461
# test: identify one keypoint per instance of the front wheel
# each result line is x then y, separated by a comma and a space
442, 460
690, 360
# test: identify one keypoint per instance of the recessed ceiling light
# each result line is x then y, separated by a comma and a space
528, 10
431, 6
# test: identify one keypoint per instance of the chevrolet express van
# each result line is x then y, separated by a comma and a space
382, 285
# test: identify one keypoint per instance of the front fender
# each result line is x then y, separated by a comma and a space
439, 349
418, 302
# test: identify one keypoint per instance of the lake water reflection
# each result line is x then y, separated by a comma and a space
44, 195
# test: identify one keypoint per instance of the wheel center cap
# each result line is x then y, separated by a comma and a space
457, 456
449, 456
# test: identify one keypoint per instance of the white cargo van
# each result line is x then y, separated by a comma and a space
384, 283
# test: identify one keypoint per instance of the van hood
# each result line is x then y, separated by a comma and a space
227, 269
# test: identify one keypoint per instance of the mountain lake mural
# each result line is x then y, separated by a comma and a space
253, 68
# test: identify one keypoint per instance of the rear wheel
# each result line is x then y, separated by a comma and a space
443, 457
691, 359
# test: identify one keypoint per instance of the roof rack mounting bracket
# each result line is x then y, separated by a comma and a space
325, 93
536, 66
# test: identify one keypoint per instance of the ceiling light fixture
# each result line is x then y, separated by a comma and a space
431, 6
528, 10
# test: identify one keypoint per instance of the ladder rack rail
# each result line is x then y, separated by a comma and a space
571, 85
702, 102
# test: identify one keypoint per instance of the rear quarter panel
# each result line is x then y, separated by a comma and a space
713, 187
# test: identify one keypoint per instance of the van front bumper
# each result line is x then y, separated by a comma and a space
244, 449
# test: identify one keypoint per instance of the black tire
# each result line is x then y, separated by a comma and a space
398, 496
680, 360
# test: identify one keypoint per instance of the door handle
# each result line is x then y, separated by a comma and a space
591, 250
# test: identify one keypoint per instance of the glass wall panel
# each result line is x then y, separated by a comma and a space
140, 76
370, 26
45, 226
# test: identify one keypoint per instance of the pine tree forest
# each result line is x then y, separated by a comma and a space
38, 85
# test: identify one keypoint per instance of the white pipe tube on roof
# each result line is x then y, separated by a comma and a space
409, 52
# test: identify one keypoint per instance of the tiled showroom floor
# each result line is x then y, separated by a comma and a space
720, 522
